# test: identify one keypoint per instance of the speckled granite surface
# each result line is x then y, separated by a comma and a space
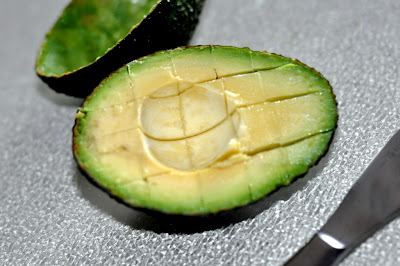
50, 214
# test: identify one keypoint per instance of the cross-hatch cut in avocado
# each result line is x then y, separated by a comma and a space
203, 129
93, 38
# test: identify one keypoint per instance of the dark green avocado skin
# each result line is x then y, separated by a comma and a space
171, 24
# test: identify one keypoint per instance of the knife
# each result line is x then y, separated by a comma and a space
372, 202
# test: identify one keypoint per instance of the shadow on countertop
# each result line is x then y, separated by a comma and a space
57, 98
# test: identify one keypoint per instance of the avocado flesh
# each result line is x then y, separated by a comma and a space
91, 39
86, 30
204, 129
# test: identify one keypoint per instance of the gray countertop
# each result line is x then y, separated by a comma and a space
50, 214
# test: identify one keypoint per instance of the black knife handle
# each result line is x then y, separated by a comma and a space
317, 252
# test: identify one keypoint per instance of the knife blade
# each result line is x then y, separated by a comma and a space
372, 202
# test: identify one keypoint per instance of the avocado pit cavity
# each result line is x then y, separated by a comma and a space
196, 118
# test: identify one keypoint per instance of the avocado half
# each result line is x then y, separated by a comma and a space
93, 38
198, 130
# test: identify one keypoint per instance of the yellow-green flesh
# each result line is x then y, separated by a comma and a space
204, 129
86, 30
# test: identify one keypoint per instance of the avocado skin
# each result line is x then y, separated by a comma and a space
169, 25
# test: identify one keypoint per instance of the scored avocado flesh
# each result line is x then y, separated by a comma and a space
203, 129
86, 30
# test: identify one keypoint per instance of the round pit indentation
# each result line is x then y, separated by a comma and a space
190, 130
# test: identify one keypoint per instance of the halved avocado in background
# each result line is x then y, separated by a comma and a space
93, 38
202, 129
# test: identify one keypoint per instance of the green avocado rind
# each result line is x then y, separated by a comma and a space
110, 42
264, 178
